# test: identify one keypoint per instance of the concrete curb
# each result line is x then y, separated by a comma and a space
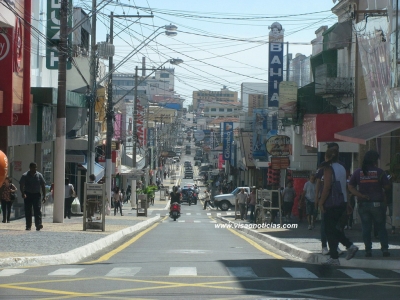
77, 254
316, 258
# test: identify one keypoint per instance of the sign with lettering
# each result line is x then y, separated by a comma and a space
227, 140
279, 145
275, 63
278, 163
53, 32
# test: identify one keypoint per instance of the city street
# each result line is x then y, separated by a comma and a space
192, 259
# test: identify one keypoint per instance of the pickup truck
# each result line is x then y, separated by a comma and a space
226, 201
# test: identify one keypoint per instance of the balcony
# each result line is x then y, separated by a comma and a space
334, 79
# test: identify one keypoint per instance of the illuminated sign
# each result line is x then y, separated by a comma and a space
275, 63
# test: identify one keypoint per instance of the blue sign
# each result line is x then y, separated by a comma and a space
150, 136
275, 72
227, 140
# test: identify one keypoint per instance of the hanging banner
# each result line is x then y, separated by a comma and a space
227, 140
275, 63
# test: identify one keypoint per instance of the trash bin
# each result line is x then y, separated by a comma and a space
142, 206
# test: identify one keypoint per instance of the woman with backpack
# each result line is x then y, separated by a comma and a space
332, 203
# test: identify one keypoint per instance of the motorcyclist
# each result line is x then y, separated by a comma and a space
175, 196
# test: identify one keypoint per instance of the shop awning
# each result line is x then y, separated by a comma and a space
98, 170
363, 133
126, 170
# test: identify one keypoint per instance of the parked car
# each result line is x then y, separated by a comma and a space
176, 158
187, 163
226, 201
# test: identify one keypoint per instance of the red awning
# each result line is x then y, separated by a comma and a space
363, 133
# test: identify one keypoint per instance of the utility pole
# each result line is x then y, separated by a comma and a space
110, 113
93, 96
59, 156
135, 118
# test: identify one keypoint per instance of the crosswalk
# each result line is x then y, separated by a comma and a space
191, 271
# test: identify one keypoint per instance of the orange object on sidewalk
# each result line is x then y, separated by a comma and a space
3, 167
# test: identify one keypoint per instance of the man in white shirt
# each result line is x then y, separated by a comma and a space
308, 196
241, 198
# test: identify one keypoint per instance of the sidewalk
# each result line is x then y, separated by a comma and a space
306, 245
65, 243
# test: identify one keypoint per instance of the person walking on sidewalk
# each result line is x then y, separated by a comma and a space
207, 199
241, 198
371, 182
308, 196
334, 172
252, 203
68, 198
288, 196
31, 183
117, 197
318, 187
6, 190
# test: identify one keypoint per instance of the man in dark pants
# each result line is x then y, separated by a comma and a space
31, 182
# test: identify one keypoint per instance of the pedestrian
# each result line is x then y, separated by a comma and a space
68, 198
252, 203
117, 198
368, 184
165, 175
168, 173
207, 199
332, 208
318, 184
7, 192
288, 196
128, 193
241, 199
308, 196
31, 183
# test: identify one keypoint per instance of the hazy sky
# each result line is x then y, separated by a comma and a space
221, 42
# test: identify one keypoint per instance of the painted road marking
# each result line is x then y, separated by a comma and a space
241, 272
181, 221
10, 272
229, 213
218, 214
357, 274
182, 271
300, 273
208, 214
66, 272
123, 272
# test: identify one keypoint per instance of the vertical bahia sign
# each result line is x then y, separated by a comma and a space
227, 140
275, 63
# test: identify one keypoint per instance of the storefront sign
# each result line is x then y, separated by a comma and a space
53, 33
15, 46
287, 99
275, 63
279, 145
227, 140
278, 163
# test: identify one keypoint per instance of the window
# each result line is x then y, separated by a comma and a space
229, 109
164, 75
221, 109
213, 109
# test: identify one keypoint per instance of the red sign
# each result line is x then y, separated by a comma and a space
278, 163
15, 46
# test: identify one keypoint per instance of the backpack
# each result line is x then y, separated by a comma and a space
336, 197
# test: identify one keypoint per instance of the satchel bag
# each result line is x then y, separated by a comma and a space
13, 196
336, 196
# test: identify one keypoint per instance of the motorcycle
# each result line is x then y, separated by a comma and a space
175, 211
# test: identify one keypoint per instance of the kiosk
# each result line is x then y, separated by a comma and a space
94, 206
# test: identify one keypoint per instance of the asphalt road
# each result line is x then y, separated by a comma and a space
192, 259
